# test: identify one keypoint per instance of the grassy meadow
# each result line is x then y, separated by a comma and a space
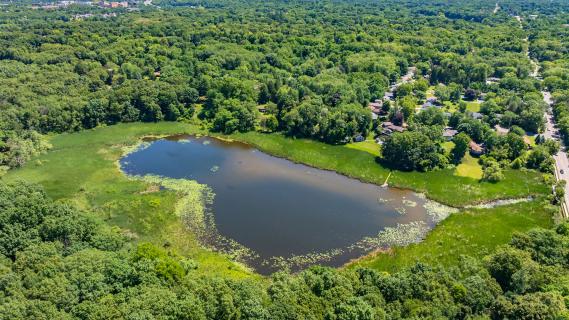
82, 168
472, 232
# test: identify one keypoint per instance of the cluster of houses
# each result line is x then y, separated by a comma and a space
59, 4
388, 128
66, 3
113, 4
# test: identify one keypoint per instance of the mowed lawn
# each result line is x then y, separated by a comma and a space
469, 167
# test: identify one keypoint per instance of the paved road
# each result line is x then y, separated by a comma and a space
408, 77
561, 159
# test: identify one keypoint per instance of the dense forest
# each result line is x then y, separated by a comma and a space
57, 263
307, 70
428, 83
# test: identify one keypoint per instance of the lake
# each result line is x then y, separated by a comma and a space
287, 214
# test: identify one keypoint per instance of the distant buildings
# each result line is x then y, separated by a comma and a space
476, 115
492, 80
113, 4
376, 108
359, 138
59, 4
431, 102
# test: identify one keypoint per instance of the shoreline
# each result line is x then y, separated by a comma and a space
484, 205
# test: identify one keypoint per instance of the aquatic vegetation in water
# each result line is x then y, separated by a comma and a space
214, 169
193, 199
141, 145
437, 211
401, 235
301, 261
497, 203
192, 208
382, 200
409, 203
206, 142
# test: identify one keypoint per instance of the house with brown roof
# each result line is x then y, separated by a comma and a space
449, 133
476, 149
389, 128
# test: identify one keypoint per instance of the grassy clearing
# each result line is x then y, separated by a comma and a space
475, 232
448, 146
82, 168
469, 167
473, 106
368, 146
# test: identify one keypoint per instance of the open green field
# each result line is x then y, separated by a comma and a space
469, 167
473, 232
82, 168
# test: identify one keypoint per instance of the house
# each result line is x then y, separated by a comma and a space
113, 4
527, 141
492, 80
389, 128
427, 105
449, 133
375, 107
476, 115
359, 138
430, 102
501, 130
476, 149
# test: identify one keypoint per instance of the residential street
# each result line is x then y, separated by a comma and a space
561, 160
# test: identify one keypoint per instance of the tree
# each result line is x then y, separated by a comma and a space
431, 117
492, 172
412, 150
461, 144
354, 309
539, 158
270, 123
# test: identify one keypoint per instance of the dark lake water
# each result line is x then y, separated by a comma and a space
278, 208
